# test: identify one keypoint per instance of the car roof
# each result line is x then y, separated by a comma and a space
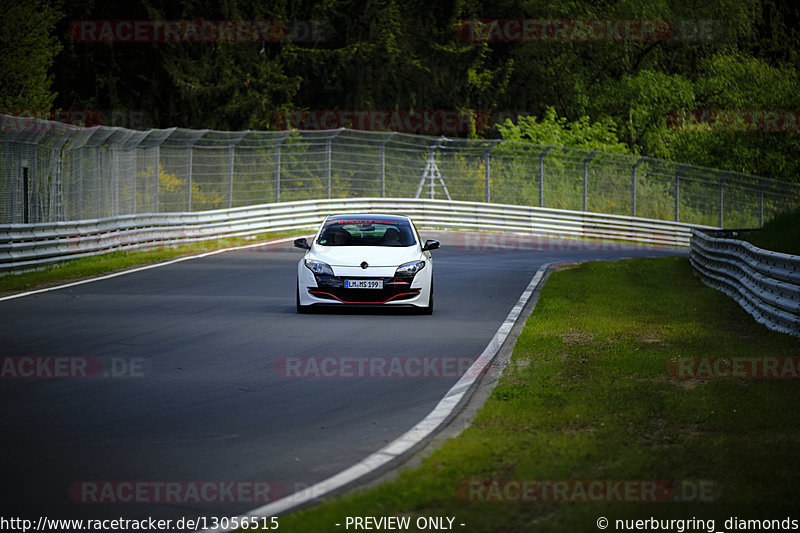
369, 216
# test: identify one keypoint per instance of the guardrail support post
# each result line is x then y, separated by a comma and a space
541, 175
633, 186
586, 179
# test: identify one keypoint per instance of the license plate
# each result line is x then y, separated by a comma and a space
363, 284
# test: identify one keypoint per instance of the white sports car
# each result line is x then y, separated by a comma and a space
366, 260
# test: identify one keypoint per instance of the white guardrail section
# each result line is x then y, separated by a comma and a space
31, 246
766, 284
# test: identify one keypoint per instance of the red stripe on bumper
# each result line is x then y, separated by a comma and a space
365, 303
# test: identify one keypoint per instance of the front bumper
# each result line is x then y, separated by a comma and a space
319, 289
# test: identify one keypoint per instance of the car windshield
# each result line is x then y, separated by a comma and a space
366, 232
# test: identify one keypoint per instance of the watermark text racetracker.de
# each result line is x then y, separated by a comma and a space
516, 242
734, 121
44, 523
596, 490
756, 367
176, 492
585, 30
72, 367
199, 31
390, 367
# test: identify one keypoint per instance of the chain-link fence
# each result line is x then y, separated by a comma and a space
57, 172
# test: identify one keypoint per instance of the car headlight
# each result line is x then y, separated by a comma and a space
318, 267
410, 268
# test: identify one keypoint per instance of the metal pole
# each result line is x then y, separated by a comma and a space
541, 175
722, 197
231, 148
278, 171
115, 182
189, 181
633, 186
157, 172
329, 162
25, 211
328, 169
383, 163
677, 191
278, 165
586, 179
98, 174
760, 206
431, 166
486, 157
12, 191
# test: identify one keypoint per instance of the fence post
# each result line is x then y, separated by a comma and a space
98, 174
115, 182
278, 165
586, 179
760, 205
329, 161
231, 148
677, 191
157, 172
541, 175
382, 154
25, 209
722, 197
189, 181
633, 185
486, 156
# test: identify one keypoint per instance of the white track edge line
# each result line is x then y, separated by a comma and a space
146, 267
413, 436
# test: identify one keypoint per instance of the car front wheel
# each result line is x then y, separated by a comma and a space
303, 309
429, 309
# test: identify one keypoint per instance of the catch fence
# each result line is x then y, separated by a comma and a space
54, 172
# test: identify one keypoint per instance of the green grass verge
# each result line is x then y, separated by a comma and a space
590, 398
780, 234
96, 265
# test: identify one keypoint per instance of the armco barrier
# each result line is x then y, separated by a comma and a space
30, 246
766, 284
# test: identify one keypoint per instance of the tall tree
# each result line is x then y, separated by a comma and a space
27, 49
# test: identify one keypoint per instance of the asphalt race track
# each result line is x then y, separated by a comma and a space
198, 346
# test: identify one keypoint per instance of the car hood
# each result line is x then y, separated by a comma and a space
376, 256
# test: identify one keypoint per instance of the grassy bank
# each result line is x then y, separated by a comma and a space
590, 398
780, 234
86, 267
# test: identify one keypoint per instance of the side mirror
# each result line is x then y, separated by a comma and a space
430, 244
302, 243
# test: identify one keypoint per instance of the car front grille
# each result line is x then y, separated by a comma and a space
394, 289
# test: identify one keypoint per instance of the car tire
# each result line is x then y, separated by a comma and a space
429, 309
302, 309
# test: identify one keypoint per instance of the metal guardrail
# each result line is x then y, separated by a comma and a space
766, 284
31, 246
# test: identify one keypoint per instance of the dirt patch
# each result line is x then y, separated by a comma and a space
577, 337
